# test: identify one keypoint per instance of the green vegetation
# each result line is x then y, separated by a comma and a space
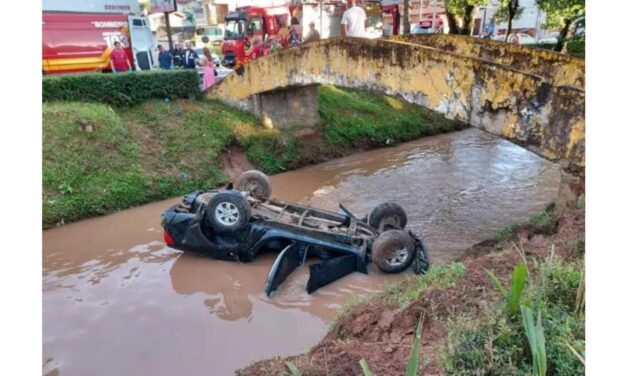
121, 88
357, 118
537, 343
576, 47
403, 293
98, 159
463, 11
89, 165
496, 343
293, 370
364, 367
413, 364
542, 223
513, 295
536, 327
561, 14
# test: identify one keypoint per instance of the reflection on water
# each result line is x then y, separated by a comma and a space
116, 301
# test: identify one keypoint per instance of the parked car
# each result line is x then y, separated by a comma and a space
516, 38
549, 38
241, 221
427, 26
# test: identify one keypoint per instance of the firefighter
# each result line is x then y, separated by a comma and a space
118, 59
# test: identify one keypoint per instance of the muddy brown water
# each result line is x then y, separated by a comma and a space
117, 301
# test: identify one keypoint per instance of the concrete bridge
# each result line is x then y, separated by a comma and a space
538, 108
559, 69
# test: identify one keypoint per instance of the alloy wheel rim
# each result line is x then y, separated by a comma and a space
226, 213
252, 187
398, 258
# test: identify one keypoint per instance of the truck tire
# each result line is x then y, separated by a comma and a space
228, 211
388, 216
421, 262
393, 251
255, 182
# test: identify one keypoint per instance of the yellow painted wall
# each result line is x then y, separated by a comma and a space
557, 68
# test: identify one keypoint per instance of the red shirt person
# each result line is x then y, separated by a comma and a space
118, 59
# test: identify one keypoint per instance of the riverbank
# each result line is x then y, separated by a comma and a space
469, 327
99, 159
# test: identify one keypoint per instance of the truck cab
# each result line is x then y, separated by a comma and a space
246, 23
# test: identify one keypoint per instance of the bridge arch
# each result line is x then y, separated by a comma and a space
523, 107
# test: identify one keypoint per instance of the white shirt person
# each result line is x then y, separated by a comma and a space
354, 21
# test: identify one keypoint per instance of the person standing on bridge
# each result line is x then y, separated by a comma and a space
283, 33
313, 34
296, 32
354, 21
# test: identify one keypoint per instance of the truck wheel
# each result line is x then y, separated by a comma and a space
228, 211
421, 262
255, 182
388, 216
393, 251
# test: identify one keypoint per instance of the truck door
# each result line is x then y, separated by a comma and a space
142, 43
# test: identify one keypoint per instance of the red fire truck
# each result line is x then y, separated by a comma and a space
78, 36
247, 23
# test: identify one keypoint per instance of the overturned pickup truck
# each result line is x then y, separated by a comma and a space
241, 221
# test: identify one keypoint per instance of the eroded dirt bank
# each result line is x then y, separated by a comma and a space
379, 332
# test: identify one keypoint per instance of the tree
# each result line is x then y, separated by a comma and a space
561, 13
513, 9
452, 22
406, 25
463, 10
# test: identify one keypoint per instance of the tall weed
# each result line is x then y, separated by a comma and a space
513, 295
535, 336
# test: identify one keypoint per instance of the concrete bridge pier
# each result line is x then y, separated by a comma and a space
294, 108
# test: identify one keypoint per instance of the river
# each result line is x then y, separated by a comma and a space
117, 301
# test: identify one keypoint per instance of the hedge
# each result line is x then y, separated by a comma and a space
121, 88
577, 47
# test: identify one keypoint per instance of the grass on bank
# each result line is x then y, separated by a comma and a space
495, 343
353, 118
494, 340
406, 291
99, 158
542, 223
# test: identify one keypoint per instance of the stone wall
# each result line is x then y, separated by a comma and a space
559, 69
295, 109
525, 108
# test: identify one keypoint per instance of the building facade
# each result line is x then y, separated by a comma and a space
529, 21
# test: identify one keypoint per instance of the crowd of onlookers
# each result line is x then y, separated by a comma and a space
353, 24
182, 58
